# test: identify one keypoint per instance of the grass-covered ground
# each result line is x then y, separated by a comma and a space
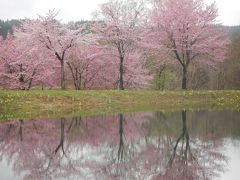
57, 103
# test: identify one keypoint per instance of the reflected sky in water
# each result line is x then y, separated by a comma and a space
173, 145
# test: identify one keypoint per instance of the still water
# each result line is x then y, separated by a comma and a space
156, 145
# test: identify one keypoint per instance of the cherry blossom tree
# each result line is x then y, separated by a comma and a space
8, 54
23, 65
50, 34
183, 31
117, 27
86, 66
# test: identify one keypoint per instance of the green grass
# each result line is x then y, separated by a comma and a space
57, 103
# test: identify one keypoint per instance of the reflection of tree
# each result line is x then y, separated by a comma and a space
121, 143
20, 130
185, 147
109, 147
78, 147
127, 146
61, 143
193, 159
77, 121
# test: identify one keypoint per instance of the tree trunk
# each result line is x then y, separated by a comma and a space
75, 74
121, 82
184, 78
30, 82
75, 78
79, 81
62, 75
160, 73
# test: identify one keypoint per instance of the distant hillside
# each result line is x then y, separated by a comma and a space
6, 27
231, 30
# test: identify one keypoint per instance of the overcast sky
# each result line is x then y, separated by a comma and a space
72, 10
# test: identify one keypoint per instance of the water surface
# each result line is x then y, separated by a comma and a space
154, 145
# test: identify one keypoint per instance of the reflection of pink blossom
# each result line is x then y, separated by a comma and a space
117, 146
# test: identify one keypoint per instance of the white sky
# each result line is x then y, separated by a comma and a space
72, 10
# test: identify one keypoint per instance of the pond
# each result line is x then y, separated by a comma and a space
152, 145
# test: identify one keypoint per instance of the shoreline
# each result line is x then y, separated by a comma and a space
15, 104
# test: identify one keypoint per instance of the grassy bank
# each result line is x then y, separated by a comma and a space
57, 103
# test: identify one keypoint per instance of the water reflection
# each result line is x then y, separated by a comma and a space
179, 145
194, 158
